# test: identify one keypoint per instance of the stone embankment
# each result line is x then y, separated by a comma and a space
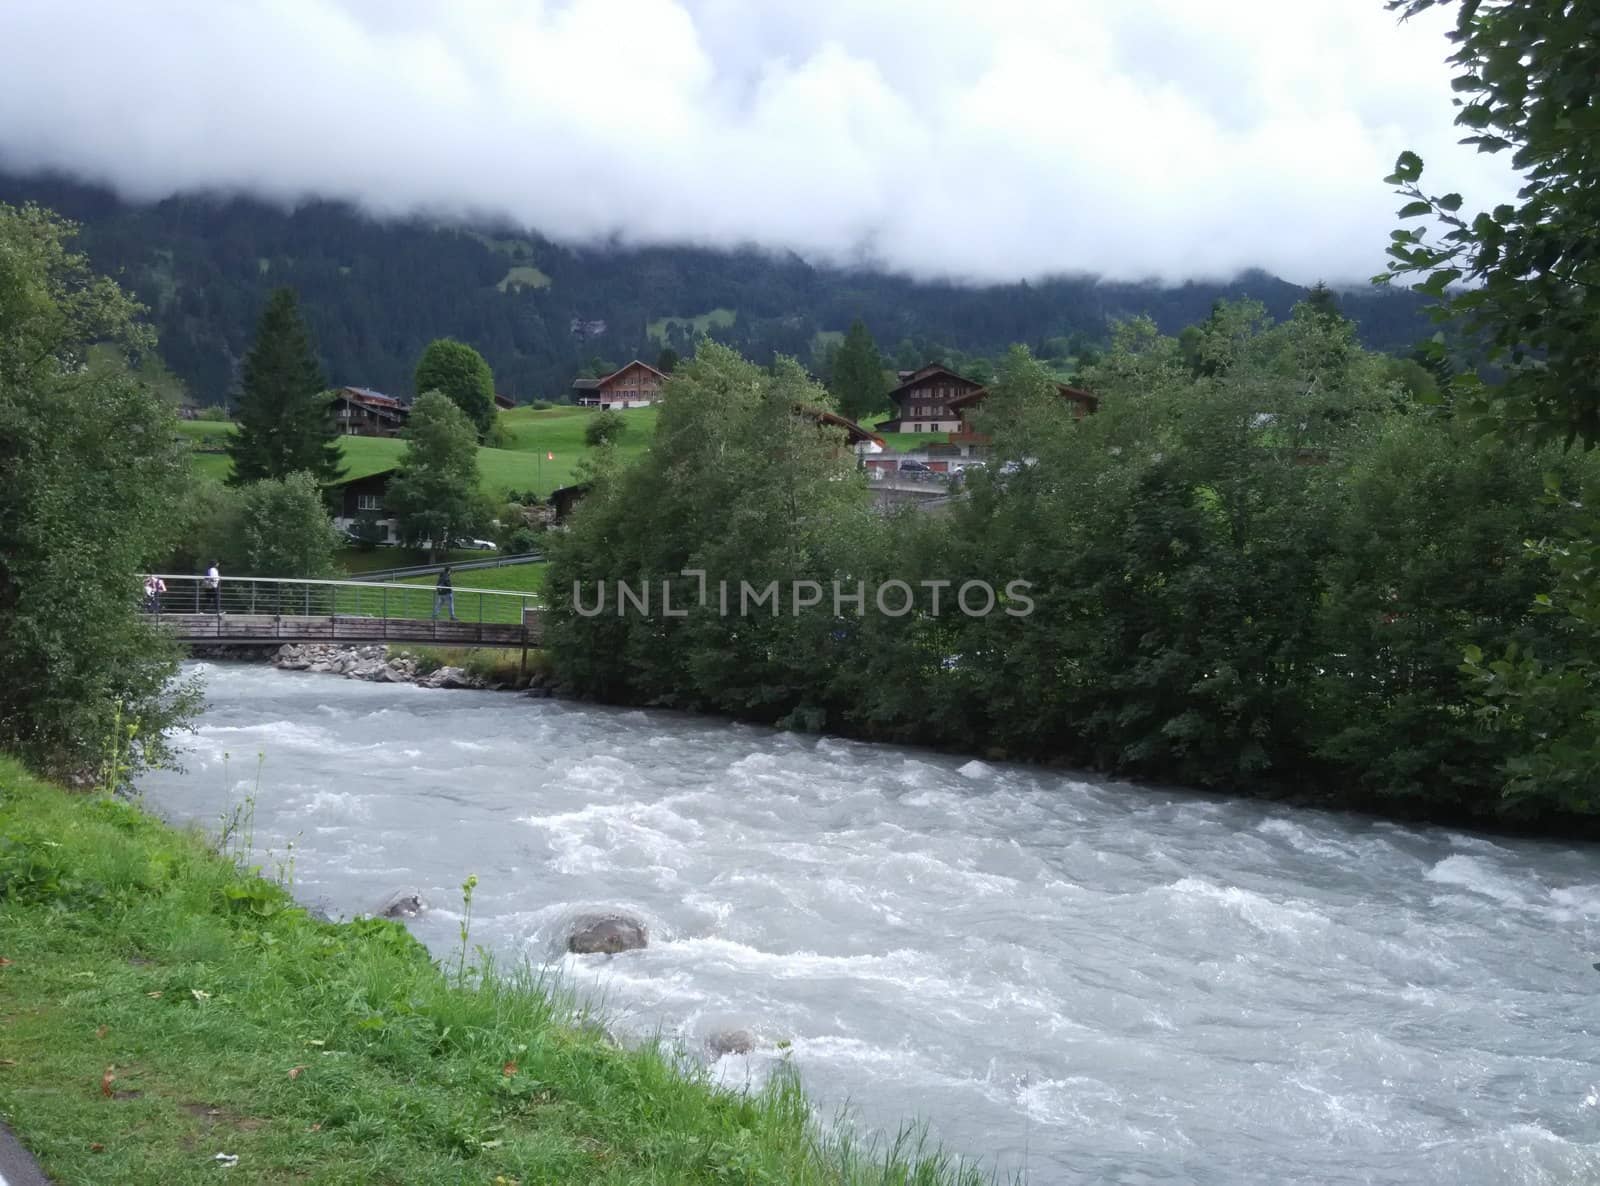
377, 664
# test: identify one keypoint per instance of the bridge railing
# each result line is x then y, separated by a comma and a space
419, 570
278, 597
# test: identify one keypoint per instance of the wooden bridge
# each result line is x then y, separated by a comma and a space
268, 611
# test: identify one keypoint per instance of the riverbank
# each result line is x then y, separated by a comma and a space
165, 1015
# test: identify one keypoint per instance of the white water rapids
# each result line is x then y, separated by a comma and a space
1088, 982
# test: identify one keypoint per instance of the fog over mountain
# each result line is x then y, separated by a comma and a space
976, 141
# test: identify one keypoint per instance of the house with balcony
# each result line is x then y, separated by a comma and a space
360, 411
925, 400
637, 385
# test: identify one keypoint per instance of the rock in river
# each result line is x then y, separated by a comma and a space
732, 1041
404, 904
606, 934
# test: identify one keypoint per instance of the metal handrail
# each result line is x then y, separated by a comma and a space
226, 580
421, 570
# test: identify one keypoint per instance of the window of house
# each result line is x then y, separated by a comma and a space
369, 502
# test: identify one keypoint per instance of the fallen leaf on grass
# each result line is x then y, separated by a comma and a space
228, 1160
102, 1031
8, 1062
106, 1081
509, 1069
199, 994
315, 1128
4, 962
155, 994
296, 1072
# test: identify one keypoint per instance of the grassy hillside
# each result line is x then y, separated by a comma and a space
523, 465
700, 323
560, 431
162, 1007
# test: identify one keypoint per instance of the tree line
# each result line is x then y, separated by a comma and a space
1258, 567
374, 293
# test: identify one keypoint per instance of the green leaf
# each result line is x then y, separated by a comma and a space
1413, 209
1407, 167
1451, 202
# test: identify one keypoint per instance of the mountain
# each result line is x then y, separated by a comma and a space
376, 292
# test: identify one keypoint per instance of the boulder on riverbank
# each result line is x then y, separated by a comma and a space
403, 904
607, 934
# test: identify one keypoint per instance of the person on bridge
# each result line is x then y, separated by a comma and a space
154, 587
444, 593
214, 583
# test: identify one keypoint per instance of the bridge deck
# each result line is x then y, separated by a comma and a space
274, 628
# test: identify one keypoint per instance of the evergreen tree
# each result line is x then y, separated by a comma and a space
667, 361
459, 372
858, 374
286, 422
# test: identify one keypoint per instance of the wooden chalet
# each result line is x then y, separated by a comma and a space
969, 441
924, 400
360, 411
857, 439
504, 402
637, 385
362, 499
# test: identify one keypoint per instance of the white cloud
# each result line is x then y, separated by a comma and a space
977, 139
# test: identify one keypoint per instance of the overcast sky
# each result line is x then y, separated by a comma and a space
975, 139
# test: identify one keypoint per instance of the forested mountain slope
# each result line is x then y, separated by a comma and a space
376, 292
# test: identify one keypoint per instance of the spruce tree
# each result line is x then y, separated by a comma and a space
858, 374
285, 416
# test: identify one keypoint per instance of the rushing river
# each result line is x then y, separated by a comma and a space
1086, 981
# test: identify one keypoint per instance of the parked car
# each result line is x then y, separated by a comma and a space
914, 467
475, 545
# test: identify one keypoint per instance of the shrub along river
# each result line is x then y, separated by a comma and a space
1088, 981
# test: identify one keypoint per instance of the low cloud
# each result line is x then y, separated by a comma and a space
969, 139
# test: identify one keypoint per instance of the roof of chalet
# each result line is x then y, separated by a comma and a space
628, 367
917, 376
366, 395
586, 385
388, 472
853, 432
504, 401
1065, 390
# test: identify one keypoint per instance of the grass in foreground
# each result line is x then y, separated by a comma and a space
158, 1007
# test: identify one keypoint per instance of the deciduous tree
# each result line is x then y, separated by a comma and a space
460, 373
435, 494
90, 483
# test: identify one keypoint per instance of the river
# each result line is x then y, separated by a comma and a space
1085, 981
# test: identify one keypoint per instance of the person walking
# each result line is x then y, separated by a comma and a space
214, 583
154, 587
444, 594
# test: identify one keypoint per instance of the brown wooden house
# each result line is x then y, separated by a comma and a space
637, 385
362, 499
925, 398
361, 411
969, 440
